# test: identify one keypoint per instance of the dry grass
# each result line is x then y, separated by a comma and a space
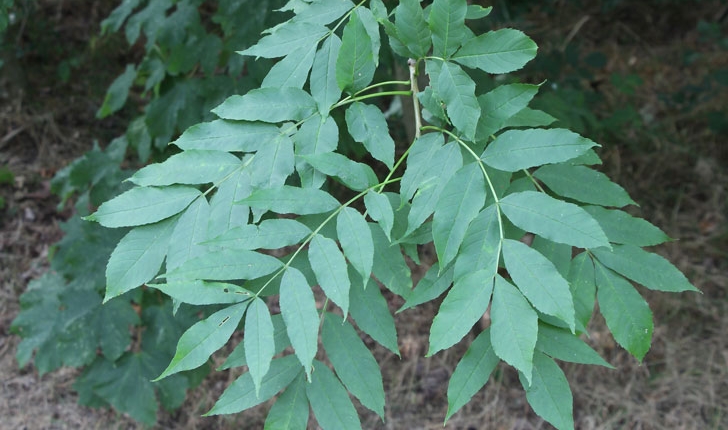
678, 175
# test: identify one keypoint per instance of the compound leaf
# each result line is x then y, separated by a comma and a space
268, 105
621, 227
258, 341
354, 363
627, 314
366, 124
298, 308
356, 241
553, 219
144, 205
499, 51
224, 135
202, 339
583, 184
549, 394
447, 23
520, 149
291, 71
241, 394
330, 402
288, 199
471, 373
646, 268
460, 202
138, 257
355, 64
329, 265
463, 306
539, 280
514, 327
290, 411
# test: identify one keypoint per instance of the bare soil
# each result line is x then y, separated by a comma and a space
679, 174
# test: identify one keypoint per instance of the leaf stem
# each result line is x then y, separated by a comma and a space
535, 182
412, 64
370, 96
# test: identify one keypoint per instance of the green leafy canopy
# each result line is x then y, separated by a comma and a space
267, 202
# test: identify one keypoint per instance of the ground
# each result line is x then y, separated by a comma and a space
678, 174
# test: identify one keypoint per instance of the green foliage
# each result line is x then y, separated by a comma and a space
271, 173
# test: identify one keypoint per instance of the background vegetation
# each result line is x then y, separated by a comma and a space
648, 80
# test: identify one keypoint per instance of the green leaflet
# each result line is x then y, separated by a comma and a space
463, 306
329, 266
202, 339
356, 241
390, 267
298, 308
564, 346
357, 176
380, 210
514, 327
137, 258
430, 287
366, 124
457, 91
268, 105
269, 234
447, 23
196, 292
553, 219
528, 117
412, 28
241, 394
292, 71
582, 281
258, 341
460, 202
324, 88
272, 164
280, 341
627, 314
287, 38
224, 135
558, 253
355, 64
548, 393
290, 411
224, 215
144, 205
449, 160
471, 373
481, 247
583, 184
500, 105
539, 281
421, 163
499, 51
118, 92
319, 135
646, 268
323, 11
330, 402
226, 265
372, 28
520, 149
189, 232
370, 311
476, 11
188, 167
288, 199
354, 363
621, 227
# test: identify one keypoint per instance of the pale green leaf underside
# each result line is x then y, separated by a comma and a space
298, 308
583, 184
330, 402
367, 125
271, 233
499, 51
621, 227
258, 341
268, 105
196, 292
290, 411
226, 265
549, 394
289, 199
329, 265
355, 64
224, 135
447, 23
288, 38
370, 311
564, 346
